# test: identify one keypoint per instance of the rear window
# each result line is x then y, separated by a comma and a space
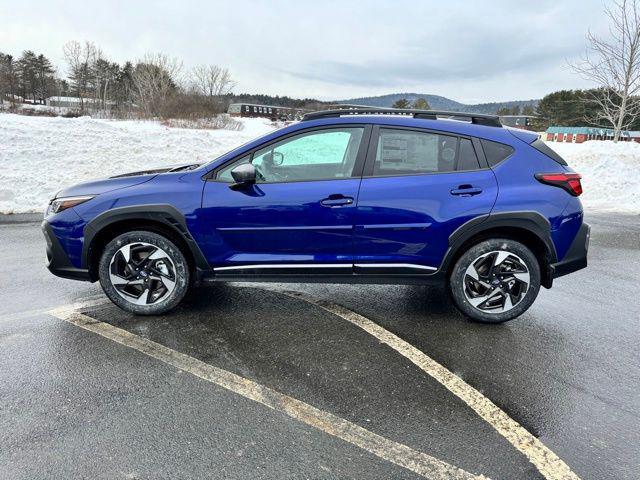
548, 151
496, 152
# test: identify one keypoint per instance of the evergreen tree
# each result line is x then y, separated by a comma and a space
401, 103
45, 80
8, 77
421, 104
528, 110
568, 108
27, 70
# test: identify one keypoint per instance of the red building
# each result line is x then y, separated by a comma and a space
583, 134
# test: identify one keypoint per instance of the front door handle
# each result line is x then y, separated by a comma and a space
336, 200
466, 191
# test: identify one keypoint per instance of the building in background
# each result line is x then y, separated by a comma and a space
524, 122
76, 102
266, 111
583, 134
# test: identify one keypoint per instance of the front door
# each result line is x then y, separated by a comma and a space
418, 187
299, 215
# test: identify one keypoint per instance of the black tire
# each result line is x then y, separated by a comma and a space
464, 289
173, 261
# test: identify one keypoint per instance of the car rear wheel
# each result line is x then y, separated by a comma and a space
144, 273
495, 281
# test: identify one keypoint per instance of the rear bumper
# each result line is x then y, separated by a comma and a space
576, 257
57, 260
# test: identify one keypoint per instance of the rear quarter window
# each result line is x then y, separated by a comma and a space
496, 152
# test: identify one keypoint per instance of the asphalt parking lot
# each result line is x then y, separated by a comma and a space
320, 381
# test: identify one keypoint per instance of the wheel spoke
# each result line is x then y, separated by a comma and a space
117, 281
472, 272
522, 276
500, 257
477, 301
157, 254
166, 281
508, 304
144, 297
126, 253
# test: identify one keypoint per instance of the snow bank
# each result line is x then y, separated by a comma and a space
610, 173
40, 155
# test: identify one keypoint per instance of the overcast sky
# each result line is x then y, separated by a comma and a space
470, 51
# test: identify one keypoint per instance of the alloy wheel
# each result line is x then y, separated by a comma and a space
496, 282
142, 274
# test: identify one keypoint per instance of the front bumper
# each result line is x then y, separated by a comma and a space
58, 262
576, 257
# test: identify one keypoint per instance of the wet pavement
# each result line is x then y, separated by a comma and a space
74, 404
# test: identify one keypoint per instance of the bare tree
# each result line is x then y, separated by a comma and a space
614, 65
81, 60
155, 78
212, 81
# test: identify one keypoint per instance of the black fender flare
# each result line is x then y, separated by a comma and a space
530, 221
166, 214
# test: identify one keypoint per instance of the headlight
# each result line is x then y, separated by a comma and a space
59, 204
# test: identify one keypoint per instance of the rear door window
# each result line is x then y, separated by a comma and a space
410, 152
407, 152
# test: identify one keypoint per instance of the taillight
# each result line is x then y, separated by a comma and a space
569, 181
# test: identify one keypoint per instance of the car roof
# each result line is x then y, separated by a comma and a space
456, 127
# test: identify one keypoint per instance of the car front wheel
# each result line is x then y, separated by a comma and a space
144, 273
495, 280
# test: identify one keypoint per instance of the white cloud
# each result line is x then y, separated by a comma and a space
480, 51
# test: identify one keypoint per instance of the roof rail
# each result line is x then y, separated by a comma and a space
476, 118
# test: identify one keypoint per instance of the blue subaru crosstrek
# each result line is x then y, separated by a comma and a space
344, 196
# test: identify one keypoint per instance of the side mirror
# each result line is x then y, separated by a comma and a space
244, 174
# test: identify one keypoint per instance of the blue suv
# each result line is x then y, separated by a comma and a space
356, 195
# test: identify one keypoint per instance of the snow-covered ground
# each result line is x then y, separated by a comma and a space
610, 173
40, 155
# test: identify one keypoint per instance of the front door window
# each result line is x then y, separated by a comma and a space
317, 155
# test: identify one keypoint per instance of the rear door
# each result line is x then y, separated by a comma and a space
418, 187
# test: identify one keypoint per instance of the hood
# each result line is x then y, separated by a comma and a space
96, 187
155, 171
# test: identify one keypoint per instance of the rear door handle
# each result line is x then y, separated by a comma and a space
336, 200
466, 191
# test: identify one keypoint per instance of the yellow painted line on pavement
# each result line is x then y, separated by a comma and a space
543, 458
88, 302
389, 450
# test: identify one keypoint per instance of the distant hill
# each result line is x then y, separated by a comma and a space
438, 103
